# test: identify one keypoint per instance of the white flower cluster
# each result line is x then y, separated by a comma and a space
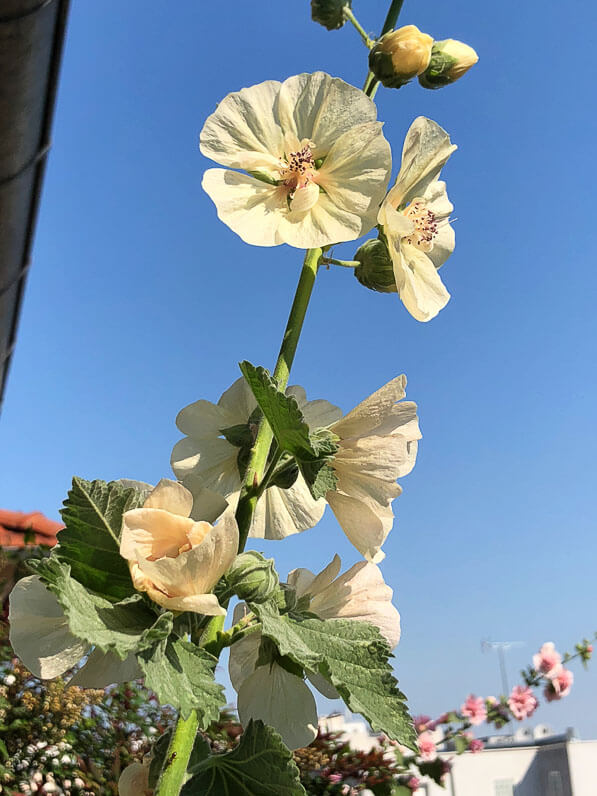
45, 768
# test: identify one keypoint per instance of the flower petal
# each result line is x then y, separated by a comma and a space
281, 700
420, 287
244, 653
239, 400
365, 527
321, 108
105, 668
153, 533
204, 419
322, 685
39, 631
251, 208
305, 582
356, 171
365, 417
170, 496
198, 603
283, 512
134, 780
360, 593
426, 149
244, 131
318, 413
443, 245
304, 198
211, 458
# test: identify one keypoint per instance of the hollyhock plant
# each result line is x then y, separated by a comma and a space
414, 219
378, 442
206, 457
522, 702
307, 163
474, 710
174, 559
360, 594
547, 660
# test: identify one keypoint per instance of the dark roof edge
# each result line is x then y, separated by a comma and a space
39, 163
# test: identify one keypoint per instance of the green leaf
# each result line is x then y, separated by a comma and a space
158, 757
182, 675
259, 766
123, 627
90, 541
280, 410
351, 655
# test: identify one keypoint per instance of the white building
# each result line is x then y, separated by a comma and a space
532, 762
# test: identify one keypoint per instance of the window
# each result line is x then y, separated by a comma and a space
504, 787
554, 784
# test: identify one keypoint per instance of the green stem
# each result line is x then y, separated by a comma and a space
183, 739
250, 490
371, 83
348, 15
343, 263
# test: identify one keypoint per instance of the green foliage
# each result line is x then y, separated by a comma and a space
90, 541
329, 12
354, 657
313, 452
122, 628
182, 675
260, 765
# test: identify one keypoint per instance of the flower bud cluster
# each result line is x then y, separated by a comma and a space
403, 54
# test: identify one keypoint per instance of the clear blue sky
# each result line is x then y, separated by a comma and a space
140, 302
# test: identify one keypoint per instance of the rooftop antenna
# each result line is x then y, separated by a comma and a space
502, 647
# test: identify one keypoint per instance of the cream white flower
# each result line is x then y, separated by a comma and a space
313, 163
204, 458
40, 636
134, 780
377, 445
415, 220
360, 594
173, 558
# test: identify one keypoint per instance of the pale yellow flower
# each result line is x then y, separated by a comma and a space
378, 443
400, 55
415, 219
173, 558
134, 780
310, 161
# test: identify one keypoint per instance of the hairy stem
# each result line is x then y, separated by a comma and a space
250, 491
371, 83
344, 263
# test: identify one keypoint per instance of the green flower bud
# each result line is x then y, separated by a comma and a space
375, 270
450, 59
400, 55
329, 12
252, 577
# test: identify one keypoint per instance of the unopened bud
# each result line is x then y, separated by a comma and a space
400, 55
450, 59
329, 13
252, 577
375, 270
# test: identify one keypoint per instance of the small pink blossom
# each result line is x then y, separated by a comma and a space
522, 702
426, 744
559, 685
475, 746
413, 783
334, 778
547, 659
589, 650
421, 723
474, 709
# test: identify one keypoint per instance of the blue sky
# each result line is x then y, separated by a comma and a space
140, 302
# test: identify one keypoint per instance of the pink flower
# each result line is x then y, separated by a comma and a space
475, 746
421, 723
547, 659
589, 650
426, 745
522, 702
560, 685
474, 709
413, 783
334, 778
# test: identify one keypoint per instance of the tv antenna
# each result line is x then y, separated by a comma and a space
501, 647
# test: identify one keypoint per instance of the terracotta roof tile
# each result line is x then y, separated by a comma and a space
15, 525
